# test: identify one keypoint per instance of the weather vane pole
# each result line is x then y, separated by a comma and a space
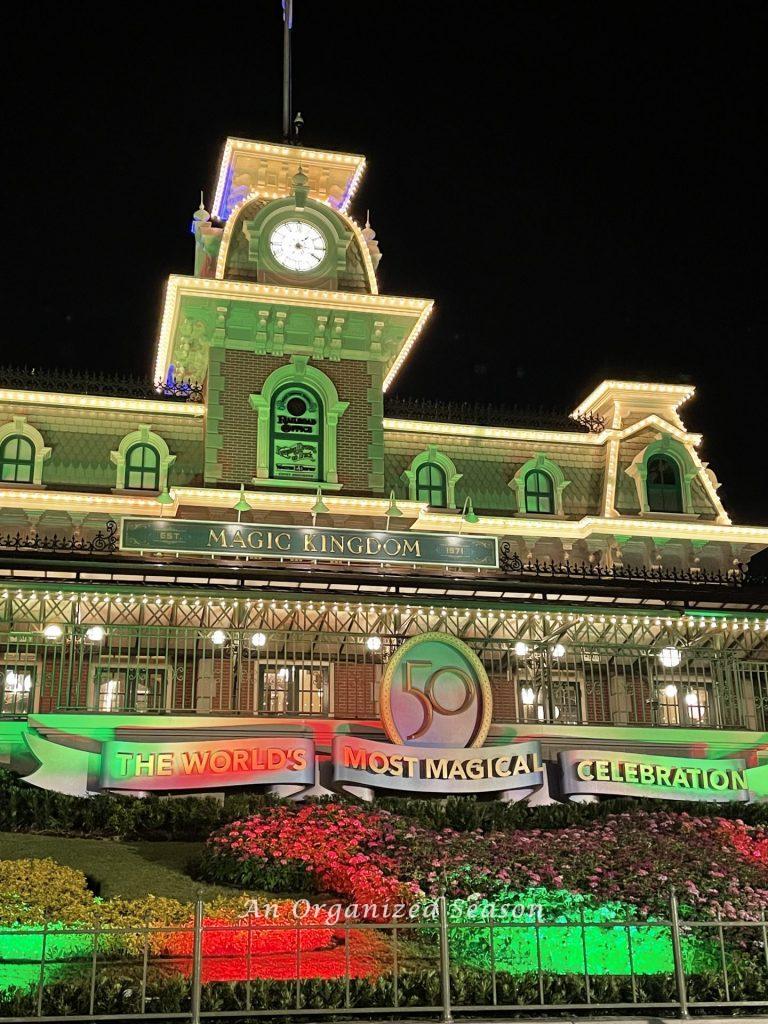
287, 26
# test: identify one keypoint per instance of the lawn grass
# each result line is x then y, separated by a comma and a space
132, 870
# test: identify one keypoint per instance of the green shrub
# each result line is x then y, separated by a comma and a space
25, 808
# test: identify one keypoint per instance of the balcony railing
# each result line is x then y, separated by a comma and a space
292, 673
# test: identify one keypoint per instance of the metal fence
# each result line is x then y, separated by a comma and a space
160, 669
434, 967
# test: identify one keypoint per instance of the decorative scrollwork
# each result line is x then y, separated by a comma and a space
103, 542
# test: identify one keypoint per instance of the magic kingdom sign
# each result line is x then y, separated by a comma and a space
253, 540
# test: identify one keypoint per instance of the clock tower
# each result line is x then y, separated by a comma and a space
284, 324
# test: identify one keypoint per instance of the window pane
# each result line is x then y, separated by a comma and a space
539, 492
431, 485
663, 485
142, 468
296, 428
17, 460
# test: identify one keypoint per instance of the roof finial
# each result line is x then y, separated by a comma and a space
370, 240
300, 184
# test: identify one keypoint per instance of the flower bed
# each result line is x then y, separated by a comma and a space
338, 849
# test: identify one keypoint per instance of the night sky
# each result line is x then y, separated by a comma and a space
580, 185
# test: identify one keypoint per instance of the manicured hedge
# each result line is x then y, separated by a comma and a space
25, 808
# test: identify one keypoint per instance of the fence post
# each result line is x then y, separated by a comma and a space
677, 953
445, 963
197, 960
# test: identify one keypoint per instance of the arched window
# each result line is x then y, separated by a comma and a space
142, 468
539, 492
296, 434
663, 485
432, 485
17, 460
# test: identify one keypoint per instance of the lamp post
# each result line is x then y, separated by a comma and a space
319, 505
242, 505
468, 514
393, 511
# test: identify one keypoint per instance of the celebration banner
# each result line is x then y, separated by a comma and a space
415, 770
616, 773
251, 540
208, 764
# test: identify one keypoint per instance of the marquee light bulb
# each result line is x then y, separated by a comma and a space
95, 634
670, 657
218, 637
259, 640
373, 643
558, 651
53, 631
521, 649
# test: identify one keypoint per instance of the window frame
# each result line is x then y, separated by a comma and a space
316, 436
17, 461
142, 469
535, 496
666, 490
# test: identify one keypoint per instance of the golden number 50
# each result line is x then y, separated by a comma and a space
426, 697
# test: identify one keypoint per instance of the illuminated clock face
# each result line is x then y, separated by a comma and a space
297, 245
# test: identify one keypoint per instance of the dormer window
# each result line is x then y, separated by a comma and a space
663, 485
22, 453
431, 478
538, 485
143, 461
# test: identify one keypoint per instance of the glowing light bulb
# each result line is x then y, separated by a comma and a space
558, 651
95, 634
373, 643
670, 690
527, 695
218, 637
259, 640
521, 649
53, 631
670, 657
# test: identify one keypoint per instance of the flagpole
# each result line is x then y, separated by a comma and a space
287, 24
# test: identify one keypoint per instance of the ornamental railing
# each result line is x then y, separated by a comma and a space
435, 963
482, 414
80, 382
511, 565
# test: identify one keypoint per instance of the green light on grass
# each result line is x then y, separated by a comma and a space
575, 934
21, 950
